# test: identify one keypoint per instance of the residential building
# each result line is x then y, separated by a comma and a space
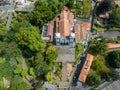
86, 68
113, 46
47, 32
81, 31
64, 24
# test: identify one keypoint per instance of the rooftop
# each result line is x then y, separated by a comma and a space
86, 68
112, 45
81, 30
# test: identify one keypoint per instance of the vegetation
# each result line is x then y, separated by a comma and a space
99, 66
114, 19
82, 9
93, 79
49, 76
78, 50
104, 7
98, 47
113, 59
103, 63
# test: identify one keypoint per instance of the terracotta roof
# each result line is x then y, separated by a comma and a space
64, 15
50, 30
69, 67
86, 68
57, 22
70, 18
112, 46
64, 22
81, 30
64, 29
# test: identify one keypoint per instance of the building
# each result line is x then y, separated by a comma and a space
81, 31
113, 46
64, 26
86, 68
47, 32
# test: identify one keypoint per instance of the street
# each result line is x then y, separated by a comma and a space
83, 57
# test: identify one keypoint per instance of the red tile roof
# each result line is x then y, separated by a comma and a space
57, 23
64, 22
64, 29
86, 68
81, 30
50, 30
112, 45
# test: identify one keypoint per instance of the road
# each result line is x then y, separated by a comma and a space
83, 57
109, 34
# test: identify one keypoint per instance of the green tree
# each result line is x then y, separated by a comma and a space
40, 65
18, 69
93, 79
113, 59
24, 72
17, 83
41, 14
7, 48
98, 47
99, 66
114, 19
6, 70
49, 76
104, 7
3, 32
30, 38
51, 54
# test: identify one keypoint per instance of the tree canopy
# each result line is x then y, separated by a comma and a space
113, 59
93, 79
98, 47
51, 54
30, 38
114, 19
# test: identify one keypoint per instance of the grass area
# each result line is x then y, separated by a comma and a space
99, 28
83, 9
114, 28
